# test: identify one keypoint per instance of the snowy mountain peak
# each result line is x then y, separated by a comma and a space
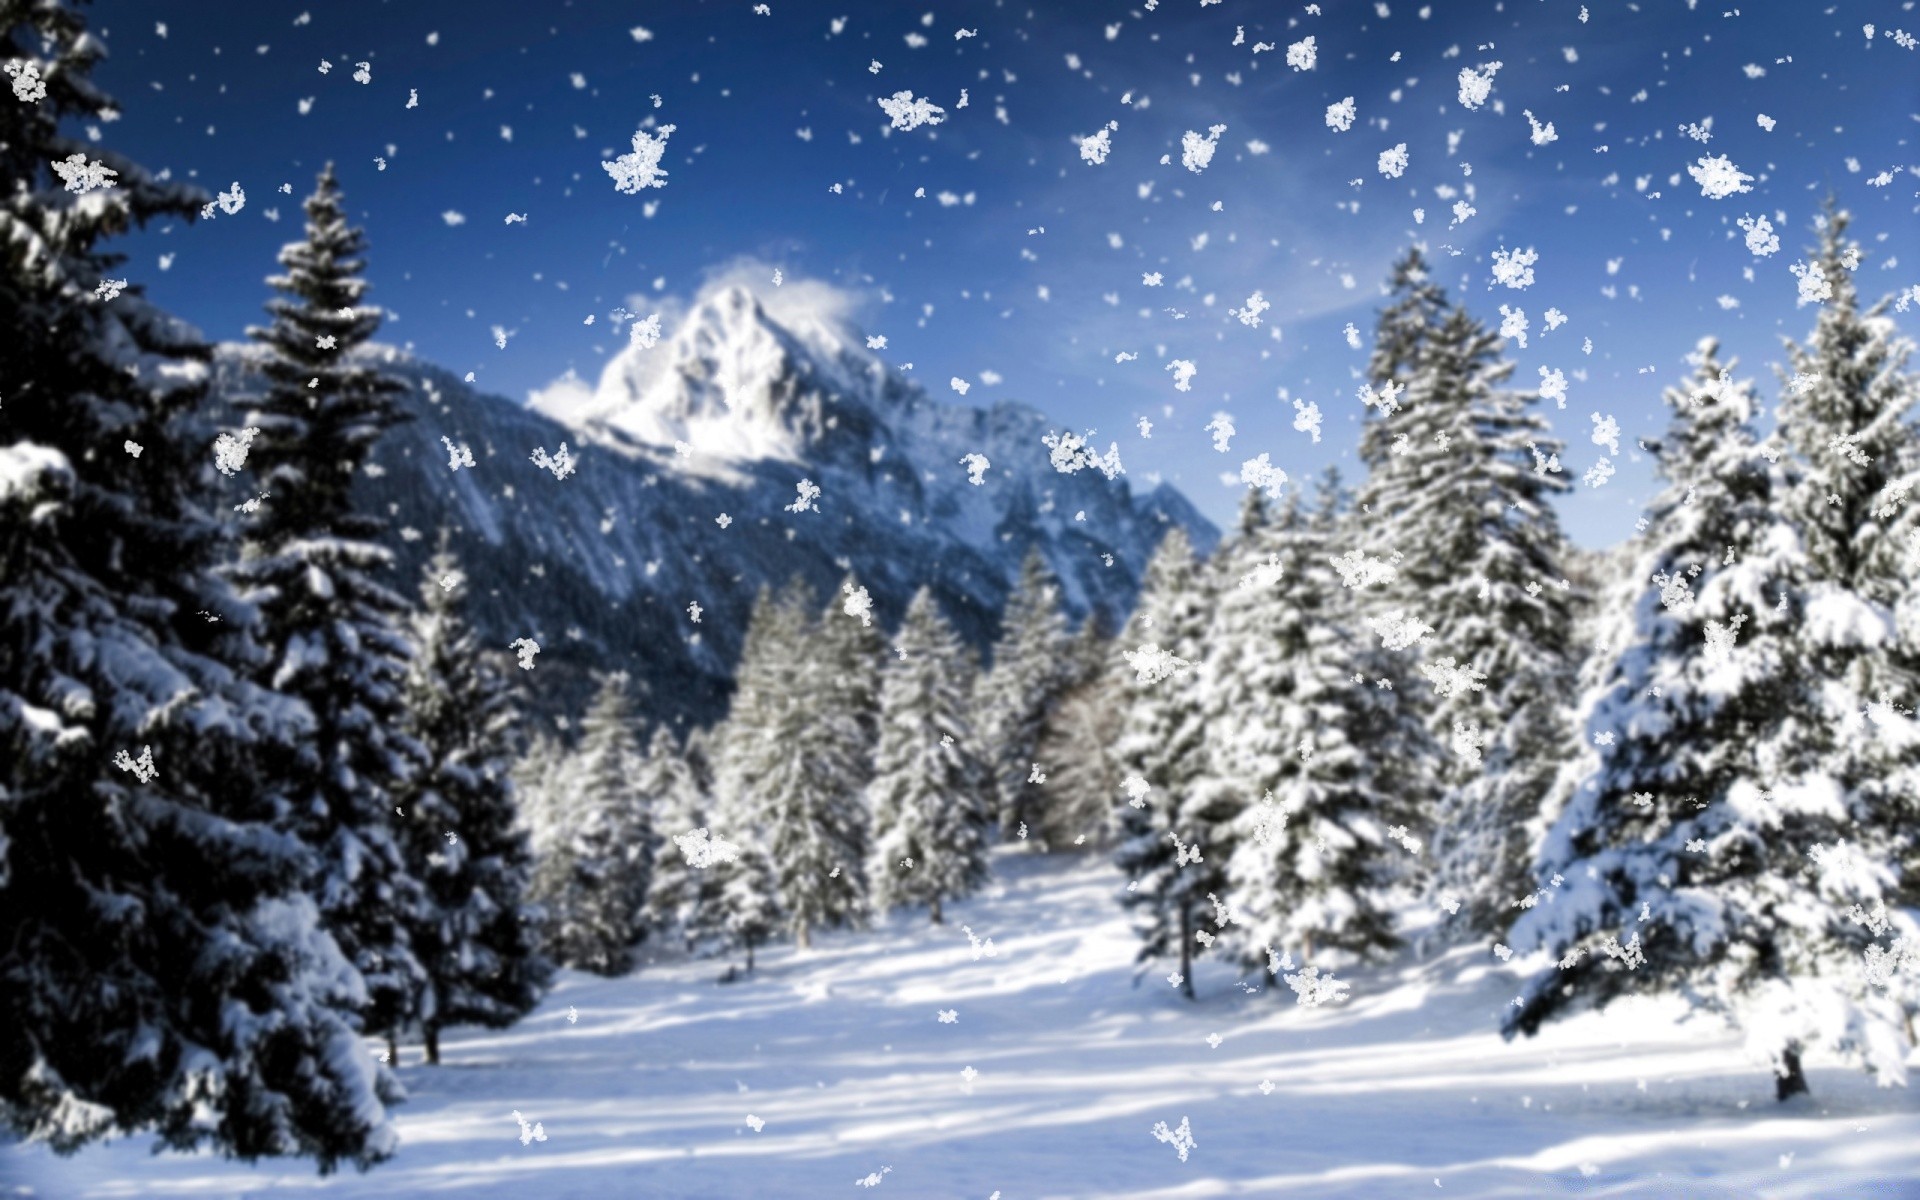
738, 384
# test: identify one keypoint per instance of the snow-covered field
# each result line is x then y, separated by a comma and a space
1405, 1090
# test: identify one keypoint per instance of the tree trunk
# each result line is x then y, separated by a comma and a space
393, 1049
800, 938
749, 942
936, 911
433, 1044
1790, 1081
1186, 953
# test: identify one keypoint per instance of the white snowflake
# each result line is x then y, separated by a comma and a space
1542, 134
28, 87
1761, 239
703, 849
1070, 453
79, 175
1151, 664
1249, 314
1393, 163
526, 648
807, 491
1340, 116
1450, 679
1814, 284
858, 603
530, 1132
457, 456
1306, 418
108, 289
1136, 789
1399, 629
645, 333
1259, 473
907, 113
561, 463
1180, 1139
1718, 177
1606, 432
230, 450
1476, 84
1514, 269
641, 168
1553, 386
1302, 54
1312, 989
142, 767
1221, 427
1094, 149
1197, 151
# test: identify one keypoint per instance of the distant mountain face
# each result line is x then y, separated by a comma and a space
689, 459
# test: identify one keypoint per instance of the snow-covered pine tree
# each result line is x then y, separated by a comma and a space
332, 629
929, 810
1848, 417
783, 768
1416, 305
1466, 513
1169, 868
845, 659
1697, 856
1077, 743
160, 968
676, 891
1298, 717
592, 878
1030, 672
480, 940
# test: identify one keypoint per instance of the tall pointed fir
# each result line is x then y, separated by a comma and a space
1077, 741
927, 795
161, 969
677, 892
783, 769
1848, 418
333, 630
846, 657
1030, 672
1466, 544
592, 878
478, 939
1696, 856
1164, 850
1339, 763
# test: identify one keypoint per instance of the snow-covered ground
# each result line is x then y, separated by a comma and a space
1405, 1090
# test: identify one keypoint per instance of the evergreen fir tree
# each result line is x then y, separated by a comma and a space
1077, 743
1030, 671
1163, 742
160, 968
480, 942
929, 813
1698, 855
1338, 761
333, 630
594, 874
1848, 419
1460, 513
677, 893
785, 764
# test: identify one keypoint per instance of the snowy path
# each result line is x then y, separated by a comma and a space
1403, 1091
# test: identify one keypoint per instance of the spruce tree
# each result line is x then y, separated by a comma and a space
480, 941
1336, 758
332, 629
1163, 743
1848, 420
1699, 855
593, 877
676, 891
784, 767
1077, 743
929, 811
1459, 520
160, 968
1030, 671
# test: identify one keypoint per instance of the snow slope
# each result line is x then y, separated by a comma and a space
1402, 1091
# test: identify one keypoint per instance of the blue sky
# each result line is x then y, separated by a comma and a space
1035, 274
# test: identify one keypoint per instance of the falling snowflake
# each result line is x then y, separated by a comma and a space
526, 648
1718, 177
1514, 269
1221, 427
561, 463
79, 175
1180, 1139
1301, 55
1197, 151
1476, 84
1340, 116
1313, 989
230, 450
703, 850
142, 767
1393, 163
641, 168
1152, 665
1094, 149
858, 604
1183, 373
907, 113
529, 1132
